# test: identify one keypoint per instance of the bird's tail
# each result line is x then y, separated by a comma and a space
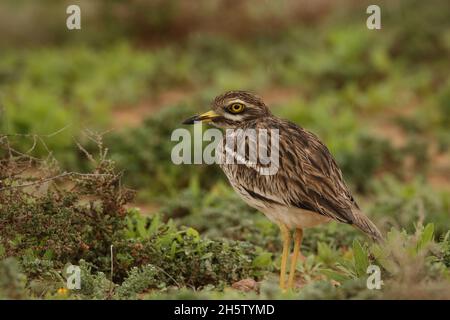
362, 222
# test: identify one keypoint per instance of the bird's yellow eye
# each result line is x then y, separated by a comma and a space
236, 108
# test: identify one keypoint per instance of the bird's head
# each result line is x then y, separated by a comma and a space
232, 110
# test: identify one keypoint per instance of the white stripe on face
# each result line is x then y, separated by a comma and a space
234, 117
236, 101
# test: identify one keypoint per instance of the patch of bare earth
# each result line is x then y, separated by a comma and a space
246, 285
146, 209
385, 126
275, 96
132, 116
439, 175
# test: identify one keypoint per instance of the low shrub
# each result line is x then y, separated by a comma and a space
60, 218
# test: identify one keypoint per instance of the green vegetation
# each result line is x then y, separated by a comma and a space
82, 117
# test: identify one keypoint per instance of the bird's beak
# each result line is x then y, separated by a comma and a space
204, 117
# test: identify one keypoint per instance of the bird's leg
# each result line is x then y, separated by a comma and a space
286, 244
297, 244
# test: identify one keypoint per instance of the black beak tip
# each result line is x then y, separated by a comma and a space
190, 120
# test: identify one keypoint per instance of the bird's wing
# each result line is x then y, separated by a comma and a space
314, 181
309, 178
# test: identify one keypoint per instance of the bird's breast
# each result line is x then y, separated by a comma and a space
260, 192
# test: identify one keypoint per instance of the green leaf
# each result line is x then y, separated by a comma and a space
193, 233
361, 259
206, 256
154, 225
262, 260
337, 276
426, 236
48, 255
140, 226
326, 254
173, 249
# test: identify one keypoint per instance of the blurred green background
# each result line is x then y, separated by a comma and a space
379, 99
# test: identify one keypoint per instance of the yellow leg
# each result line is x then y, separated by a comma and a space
297, 243
286, 244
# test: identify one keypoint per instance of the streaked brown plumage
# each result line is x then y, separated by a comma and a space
308, 187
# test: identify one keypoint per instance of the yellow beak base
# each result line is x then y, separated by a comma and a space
204, 117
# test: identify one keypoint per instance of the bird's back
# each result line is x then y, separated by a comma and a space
307, 180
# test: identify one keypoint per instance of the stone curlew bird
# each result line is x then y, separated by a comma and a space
307, 188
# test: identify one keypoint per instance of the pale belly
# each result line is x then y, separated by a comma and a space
289, 216
294, 217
